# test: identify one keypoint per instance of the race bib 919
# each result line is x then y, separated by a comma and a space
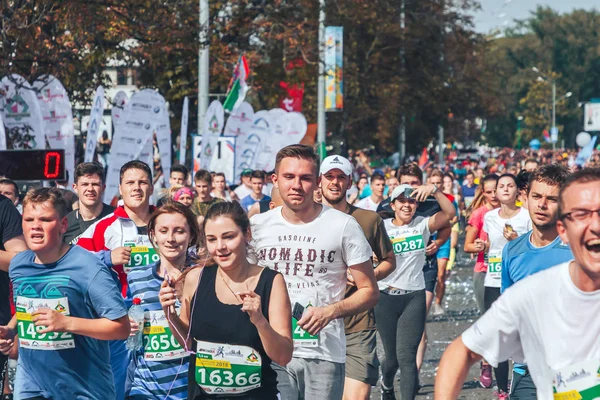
140, 257
29, 334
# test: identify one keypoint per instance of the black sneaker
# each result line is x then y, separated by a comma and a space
386, 394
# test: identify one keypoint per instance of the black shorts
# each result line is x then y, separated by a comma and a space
430, 273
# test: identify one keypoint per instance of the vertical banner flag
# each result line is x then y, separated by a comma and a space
274, 139
2, 134
163, 138
184, 130
58, 118
236, 92
291, 100
296, 128
21, 114
142, 116
94, 126
118, 105
214, 120
224, 157
334, 59
248, 145
591, 118
239, 121
260, 132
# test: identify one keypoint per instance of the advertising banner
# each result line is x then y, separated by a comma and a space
334, 63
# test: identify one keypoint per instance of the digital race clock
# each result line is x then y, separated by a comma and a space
33, 165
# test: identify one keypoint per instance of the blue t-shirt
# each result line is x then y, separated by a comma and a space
82, 284
160, 379
520, 258
248, 202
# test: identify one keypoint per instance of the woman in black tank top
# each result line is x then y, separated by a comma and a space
239, 312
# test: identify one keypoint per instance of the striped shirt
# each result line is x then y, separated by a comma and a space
151, 379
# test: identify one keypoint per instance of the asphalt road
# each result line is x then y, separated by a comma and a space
461, 312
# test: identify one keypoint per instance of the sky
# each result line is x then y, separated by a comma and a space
499, 14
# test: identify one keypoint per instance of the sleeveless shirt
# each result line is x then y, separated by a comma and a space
216, 322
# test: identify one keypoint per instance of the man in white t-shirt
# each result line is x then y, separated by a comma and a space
245, 188
549, 318
313, 246
377, 187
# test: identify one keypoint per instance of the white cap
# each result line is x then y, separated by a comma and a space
336, 162
399, 191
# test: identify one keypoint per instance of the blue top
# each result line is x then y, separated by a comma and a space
520, 258
154, 379
248, 201
81, 372
469, 191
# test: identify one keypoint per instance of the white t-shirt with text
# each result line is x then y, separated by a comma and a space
367, 204
493, 226
409, 243
313, 259
547, 320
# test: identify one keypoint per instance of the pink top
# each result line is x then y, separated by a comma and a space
476, 221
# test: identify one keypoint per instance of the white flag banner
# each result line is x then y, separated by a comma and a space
118, 105
248, 146
58, 118
94, 125
140, 118
183, 132
273, 139
2, 134
21, 114
214, 120
240, 121
147, 153
296, 128
163, 138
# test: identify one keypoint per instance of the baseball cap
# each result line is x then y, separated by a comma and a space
333, 162
247, 172
400, 191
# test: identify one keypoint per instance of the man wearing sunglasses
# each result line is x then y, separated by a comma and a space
550, 318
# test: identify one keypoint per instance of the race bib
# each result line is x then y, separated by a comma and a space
408, 244
29, 334
159, 342
227, 369
494, 266
140, 256
577, 382
302, 338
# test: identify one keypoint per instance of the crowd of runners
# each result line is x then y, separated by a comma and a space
277, 289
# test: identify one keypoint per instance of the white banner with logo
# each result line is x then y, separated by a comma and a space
273, 139
183, 132
94, 125
21, 114
240, 121
58, 118
118, 106
214, 120
296, 128
163, 138
591, 121
141, 117
249, 146
223, 160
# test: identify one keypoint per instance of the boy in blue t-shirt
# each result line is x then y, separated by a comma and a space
67, 307
535, 251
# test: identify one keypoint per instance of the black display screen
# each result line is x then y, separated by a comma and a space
33, 165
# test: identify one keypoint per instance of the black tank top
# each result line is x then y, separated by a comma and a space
263, 206
215, 322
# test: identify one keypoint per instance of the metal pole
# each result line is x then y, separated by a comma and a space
321, 82
203, 65
441, 145
553, 111
402, 127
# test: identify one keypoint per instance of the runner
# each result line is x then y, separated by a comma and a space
89, 186
245, 340
314, 246
401, 310
122, 237
68, 306
377, 187
178, 177
245, 188
203, 184
531, 164
362, 365
485, 201
184, 195
257, 180
264, 206
10, 189
530, 253
161, 367
501, 226
469, 188
220, 189
540, 318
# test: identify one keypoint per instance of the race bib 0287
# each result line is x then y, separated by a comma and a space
407, 244
29, 334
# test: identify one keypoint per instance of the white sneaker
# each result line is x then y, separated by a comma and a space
437, 309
